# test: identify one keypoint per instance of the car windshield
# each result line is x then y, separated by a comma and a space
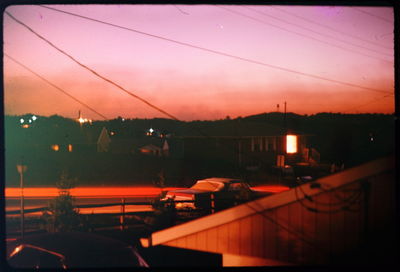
208, 186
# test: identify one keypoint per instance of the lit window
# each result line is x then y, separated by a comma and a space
70, 148
55, 147
291, 144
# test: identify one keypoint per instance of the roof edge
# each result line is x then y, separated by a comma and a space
270, 202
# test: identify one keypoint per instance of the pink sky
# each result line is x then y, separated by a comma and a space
192, 84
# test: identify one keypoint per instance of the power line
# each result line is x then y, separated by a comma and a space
373, 15
317, 32
301, 237
56, 87
221, 53
300, 34
331, 28
370, 102
180, 10
91, 70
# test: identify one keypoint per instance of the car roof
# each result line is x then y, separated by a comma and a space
72, 240
83, 249
221, 180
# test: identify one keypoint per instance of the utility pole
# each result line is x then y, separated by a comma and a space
21, 169
284, 120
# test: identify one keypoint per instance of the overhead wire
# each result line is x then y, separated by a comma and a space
345, 207
181, 11
300, 34
56, 87
331, 28
341, 202
91, 70
299, 236
373, 15
88, 67
317, 32
365, 104
223, 53
198, 130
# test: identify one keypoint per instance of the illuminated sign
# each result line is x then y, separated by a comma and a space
291, 144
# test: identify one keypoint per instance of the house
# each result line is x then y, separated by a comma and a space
103, 142
151, 150
345, 218
248, 151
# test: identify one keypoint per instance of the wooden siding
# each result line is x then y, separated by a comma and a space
308, 230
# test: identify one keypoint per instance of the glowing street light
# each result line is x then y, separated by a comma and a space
21, 120
34, 118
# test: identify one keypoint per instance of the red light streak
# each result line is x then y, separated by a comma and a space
88, 191
271, 188
114, 191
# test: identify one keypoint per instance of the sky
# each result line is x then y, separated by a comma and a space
261, 56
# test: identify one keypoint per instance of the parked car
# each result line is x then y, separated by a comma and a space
226, 192
71, 250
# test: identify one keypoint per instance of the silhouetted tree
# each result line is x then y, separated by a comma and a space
61, 214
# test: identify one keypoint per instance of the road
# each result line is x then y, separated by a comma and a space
40, 197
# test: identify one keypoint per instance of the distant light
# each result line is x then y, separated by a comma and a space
70, 148
151, 130
112, 133
123, 119
34, 118
30, 121
81, 120
55, 147
25, 126
21, 121
291, 144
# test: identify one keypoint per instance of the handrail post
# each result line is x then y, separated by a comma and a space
122, 216
212, 203
22, 205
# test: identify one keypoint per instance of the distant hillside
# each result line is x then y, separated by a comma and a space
342, 138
